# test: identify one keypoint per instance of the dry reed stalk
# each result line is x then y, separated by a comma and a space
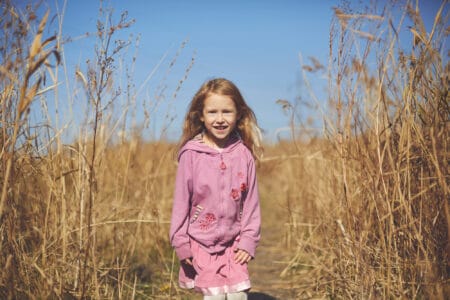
73, 215
37, 57
21, 76
385, 233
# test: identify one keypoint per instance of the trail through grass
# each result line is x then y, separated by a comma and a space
272, 255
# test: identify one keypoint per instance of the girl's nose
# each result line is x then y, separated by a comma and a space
220, 118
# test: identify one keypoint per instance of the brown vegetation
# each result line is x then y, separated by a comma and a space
365, 206
379, 190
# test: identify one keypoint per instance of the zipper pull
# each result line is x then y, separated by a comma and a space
223, 166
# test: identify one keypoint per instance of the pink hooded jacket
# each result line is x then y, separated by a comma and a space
216, 198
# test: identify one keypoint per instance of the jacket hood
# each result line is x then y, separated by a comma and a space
197, 144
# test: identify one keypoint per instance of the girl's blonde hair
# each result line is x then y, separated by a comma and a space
246, 125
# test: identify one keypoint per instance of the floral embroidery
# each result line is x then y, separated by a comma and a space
207, 220
235, 194
243, 187
210, 217
240, 175
223, 166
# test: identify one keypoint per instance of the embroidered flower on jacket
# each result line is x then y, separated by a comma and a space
243, 187
209, 217
235, 193
207, 220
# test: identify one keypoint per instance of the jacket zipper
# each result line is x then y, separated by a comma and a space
222, 167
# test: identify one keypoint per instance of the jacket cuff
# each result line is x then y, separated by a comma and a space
248, 245
183, 252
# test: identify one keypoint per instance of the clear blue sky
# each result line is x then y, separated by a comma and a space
256, 44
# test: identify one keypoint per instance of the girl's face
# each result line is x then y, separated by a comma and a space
219, 116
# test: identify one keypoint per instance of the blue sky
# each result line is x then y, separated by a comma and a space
256, 44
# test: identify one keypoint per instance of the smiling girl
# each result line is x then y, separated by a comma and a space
215, 225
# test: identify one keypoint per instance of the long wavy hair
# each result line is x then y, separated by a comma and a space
246, 125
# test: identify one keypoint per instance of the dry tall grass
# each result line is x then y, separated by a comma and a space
84, 219
366, 204
378, 194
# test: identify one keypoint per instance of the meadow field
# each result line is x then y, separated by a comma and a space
358, 209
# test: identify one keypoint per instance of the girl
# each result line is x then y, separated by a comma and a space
215, 225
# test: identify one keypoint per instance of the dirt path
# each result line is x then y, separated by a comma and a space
271, 258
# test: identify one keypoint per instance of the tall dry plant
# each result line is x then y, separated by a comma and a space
381, 228
83, 218
26, 57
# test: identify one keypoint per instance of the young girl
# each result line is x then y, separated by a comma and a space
215, 225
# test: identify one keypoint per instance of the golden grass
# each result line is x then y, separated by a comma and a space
365, 205
384, 233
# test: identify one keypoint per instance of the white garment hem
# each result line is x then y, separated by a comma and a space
220, 290
187, 285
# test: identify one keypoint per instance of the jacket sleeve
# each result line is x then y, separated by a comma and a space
251, 214
179, 223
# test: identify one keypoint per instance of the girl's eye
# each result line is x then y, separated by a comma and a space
214, 112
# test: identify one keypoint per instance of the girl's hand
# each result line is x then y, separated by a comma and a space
188, 261
242, 256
